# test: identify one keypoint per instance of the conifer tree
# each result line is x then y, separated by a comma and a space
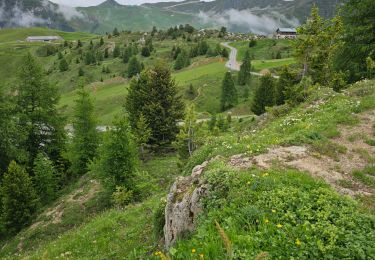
186, 139
134, 67
245, 70
79, 44
101, 41
11, 136
116, 32
142, 133
36, 106
117, 157
116, 52
45, 178
358, 38
264, 95
182, 60
285, 82
145, 51
106, 54
85, 138
18, 198
127, 54
63, 65
228, 93
154, 95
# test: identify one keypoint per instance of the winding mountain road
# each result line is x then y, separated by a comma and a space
232, 63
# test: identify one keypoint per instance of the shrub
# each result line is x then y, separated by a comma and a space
122, 197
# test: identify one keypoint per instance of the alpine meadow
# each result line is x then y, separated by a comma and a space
187, 129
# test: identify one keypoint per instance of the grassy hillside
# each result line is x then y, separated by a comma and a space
85, 201
277, 211
204, 73
20, 34
136, 18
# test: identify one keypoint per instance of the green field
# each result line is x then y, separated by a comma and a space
265, 49
205, 74
258, 65
20, 34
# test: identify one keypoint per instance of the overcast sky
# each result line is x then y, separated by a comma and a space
96, 2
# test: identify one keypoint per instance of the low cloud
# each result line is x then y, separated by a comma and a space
247, 21
69, 12
16, 15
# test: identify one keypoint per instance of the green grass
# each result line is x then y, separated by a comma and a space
286, 214
265, 49
305, 124
135, 18
258, 65
366, 176
108, 100
20, 34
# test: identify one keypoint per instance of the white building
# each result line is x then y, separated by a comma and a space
286, 33
43, 38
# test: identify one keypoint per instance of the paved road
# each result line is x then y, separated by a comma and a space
232, 63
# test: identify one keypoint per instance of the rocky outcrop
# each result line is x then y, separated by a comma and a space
184, 204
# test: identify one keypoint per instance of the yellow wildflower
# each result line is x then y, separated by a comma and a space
265, 174
298, 243
279, 225
248, 183
273, 211
201, 256
266, 221
193, 250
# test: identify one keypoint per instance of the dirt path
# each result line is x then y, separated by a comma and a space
338, 172
232, 63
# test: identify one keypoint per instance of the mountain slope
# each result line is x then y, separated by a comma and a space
110, 14
295, 8
32, 13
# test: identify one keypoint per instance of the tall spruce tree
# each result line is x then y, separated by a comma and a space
186, 139
37, 112
154, 94
45, 178
127, 54
142, 134
264, 95
11, 136
85, 139
182, 60
228, 93
245, 70
18, 198
116, 51
285, 82
317, 45
134, 67
358, 37
117, 159
63, 66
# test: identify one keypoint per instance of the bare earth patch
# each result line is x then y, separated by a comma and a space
336, 172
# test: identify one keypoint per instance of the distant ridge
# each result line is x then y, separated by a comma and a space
109, 3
